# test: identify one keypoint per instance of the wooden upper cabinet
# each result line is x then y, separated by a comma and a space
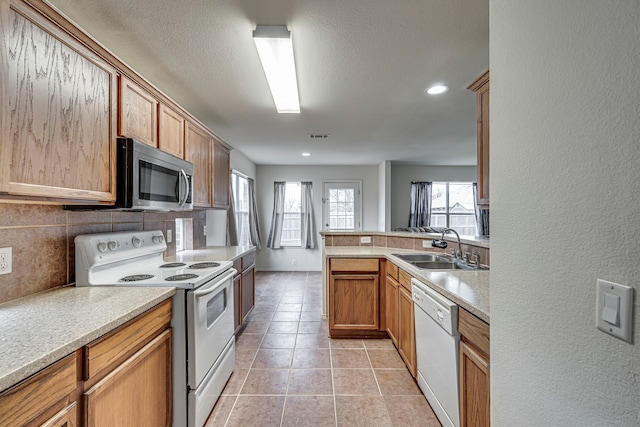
171, 131
57, 126
481, 87
137, 113
221, 175
198, 151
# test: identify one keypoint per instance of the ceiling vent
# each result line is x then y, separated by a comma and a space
318, 135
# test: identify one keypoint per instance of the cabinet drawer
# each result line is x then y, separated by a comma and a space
47, 391
114, 347
248, 260
392, 270
405, 280
354, 264
474, 331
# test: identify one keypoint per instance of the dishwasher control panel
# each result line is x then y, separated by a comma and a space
439, 308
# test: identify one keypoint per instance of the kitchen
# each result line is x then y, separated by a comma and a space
542, 58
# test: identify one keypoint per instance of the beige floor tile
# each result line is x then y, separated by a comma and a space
247, 340
410, 411
312, 307
264, 316
396, 382
362, 411
312, 341
289, 307
355, 382
279, 341
257, 411
313, 328
311, 358
221, 411
244, 357
274, 358
256, 327
346, 343
311, 316
385, 359
383, 344
283, 328
310, 382
235, 382
286, 316
349, 358
316, 411
291, 299
266, 381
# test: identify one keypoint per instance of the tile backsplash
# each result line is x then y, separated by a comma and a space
42, 238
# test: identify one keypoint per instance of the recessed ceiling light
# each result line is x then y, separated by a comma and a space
437, 89
306, 154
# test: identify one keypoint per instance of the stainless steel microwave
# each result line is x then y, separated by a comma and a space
149, 179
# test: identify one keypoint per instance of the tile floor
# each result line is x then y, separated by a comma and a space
289, 373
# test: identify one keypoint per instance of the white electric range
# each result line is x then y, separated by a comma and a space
202, 319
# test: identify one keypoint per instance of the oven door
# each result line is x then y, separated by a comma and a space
209, 325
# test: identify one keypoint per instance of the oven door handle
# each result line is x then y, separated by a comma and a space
216, 283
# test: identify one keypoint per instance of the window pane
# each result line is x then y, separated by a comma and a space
291, 222
341, 209
439, 197
438, 220
461, 198
463, 224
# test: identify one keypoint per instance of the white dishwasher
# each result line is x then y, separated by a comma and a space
437, 337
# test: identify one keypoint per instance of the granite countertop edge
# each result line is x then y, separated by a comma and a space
468, 289
482, 242
46, 332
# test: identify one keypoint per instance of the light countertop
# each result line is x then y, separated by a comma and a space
212, 253
467, 288
37, 330
482, 242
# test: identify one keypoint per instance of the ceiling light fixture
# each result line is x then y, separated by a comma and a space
306, 154
275, 49
437, 89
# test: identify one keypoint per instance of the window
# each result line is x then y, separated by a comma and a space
292, 219
342, 205
240, 188
452, 206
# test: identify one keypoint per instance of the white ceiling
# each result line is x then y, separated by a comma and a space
362, 65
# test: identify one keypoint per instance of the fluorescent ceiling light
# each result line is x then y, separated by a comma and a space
276, 54
437, 89
306, 154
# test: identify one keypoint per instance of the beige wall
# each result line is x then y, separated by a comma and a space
41, 237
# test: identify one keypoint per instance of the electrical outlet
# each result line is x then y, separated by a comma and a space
5, 260
204, 230
169, 236
426, 244
365, 239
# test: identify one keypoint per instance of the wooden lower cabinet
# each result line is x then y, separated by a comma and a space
355, 302
138, 392
406, 330
68, 417
244, 289
474, 371
391, 305
248, 291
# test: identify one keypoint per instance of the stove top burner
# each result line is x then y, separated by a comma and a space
179, 277
173, 265
205, 265
136, 277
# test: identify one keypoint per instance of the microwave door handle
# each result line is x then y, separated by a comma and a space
186, 186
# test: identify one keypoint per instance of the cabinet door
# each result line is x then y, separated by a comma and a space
198, 152
171, 131
68, 417
391, 307
58, 124
353, 302
248, 291
221, 176
237, 299
138, 392
474, 388
481, 87
138, 113
406, 333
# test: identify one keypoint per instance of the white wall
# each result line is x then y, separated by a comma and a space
384, 196
401, 177
309, 259
565, 201
242, 164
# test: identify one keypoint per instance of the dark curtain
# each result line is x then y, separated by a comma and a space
420, 213
482, 215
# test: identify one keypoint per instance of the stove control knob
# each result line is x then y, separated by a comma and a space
136, 242
102, 247
157, 239
112, 245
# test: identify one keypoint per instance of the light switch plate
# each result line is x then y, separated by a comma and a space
365, 239
606, 306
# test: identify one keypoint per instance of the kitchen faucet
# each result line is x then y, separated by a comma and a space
458, 254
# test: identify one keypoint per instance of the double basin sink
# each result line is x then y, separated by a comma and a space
438, 262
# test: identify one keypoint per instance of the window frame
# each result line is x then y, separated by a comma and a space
292, 243
236, 176
355, 184
447, 214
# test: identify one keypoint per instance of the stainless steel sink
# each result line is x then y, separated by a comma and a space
437, 262
411, 258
